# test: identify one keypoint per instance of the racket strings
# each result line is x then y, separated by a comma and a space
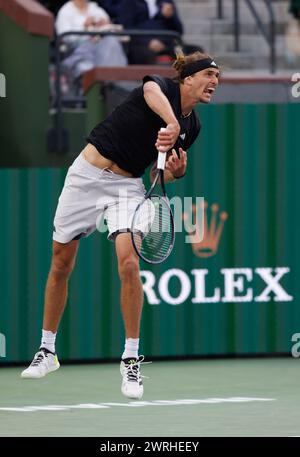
153, 230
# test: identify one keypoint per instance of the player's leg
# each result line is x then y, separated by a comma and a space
131, 306
75, 217
131, 286
63, 260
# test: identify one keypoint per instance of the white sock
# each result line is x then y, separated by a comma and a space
131, 348
48, 340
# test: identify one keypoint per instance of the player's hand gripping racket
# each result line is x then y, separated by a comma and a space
152, 228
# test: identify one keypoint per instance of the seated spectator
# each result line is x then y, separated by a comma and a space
112, 7
292, 33
149, 15
88, 52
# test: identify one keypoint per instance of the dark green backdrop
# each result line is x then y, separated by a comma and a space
247, 161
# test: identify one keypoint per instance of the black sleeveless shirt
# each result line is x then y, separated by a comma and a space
128, 135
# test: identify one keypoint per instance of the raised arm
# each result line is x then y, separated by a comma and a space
158, 102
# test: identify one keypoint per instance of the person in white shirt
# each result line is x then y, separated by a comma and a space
88, 52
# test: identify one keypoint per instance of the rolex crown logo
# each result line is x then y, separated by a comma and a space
212, 230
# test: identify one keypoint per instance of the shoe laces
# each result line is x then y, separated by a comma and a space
38, 358
133, 369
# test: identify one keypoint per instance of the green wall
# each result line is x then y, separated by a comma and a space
25, 117
246, 160
24, 112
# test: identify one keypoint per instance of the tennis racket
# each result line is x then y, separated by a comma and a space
152, 228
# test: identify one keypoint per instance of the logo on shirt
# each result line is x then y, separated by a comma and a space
182, 136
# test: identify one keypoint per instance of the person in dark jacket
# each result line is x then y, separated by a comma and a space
294, 8
112, 7
150, 15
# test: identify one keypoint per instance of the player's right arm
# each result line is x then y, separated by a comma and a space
158, 102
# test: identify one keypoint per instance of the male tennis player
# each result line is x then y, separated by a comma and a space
119, 150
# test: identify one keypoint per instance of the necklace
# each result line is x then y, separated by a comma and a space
186, 115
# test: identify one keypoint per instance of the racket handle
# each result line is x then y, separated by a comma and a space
161, 160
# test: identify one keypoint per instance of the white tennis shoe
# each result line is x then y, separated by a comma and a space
44, 362
132, 384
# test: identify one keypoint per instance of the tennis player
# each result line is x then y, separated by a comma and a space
119, 150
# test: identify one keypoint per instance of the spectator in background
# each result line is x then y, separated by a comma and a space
112, 7
292, 33
52, 6
149, 15
295, 8
86, 52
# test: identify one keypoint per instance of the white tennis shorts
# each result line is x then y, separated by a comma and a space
95, 198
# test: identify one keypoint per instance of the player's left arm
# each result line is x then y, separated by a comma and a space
168, 177
175, 166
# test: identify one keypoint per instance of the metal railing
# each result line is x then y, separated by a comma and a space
268, 31
57, 136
